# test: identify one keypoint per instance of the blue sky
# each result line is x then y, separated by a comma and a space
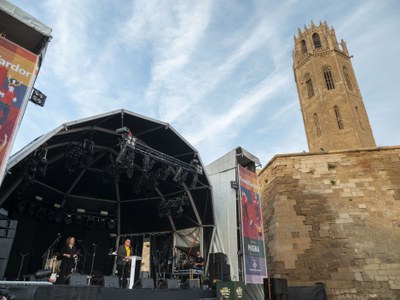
220, 72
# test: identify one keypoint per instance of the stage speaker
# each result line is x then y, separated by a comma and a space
77, 279
218, 257
8, 224
173, 284
111, 281
3, 265
5, 247
7, 233
147, 283
279, 289
220, 271
192, 284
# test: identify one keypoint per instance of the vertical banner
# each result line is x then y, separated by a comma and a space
18, 69
255, 267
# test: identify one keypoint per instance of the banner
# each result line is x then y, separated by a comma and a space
18, 69
252, 228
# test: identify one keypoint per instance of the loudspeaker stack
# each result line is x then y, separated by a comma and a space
7, 235
279, 289
219, 268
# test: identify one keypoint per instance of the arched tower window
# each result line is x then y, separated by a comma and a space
338, 117
316, 123
328, 78
309, 85
347, 79
303, 46
316, 40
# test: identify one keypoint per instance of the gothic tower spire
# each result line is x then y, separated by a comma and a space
333, 109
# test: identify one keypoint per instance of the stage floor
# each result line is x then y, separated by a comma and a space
60, 292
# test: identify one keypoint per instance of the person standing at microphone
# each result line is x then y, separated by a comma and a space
69, 253
123, 262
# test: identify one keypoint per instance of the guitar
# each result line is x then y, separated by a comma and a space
75, 263
53, 276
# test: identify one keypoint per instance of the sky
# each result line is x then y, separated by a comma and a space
219, 72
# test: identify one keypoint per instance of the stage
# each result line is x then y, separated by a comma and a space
22, 291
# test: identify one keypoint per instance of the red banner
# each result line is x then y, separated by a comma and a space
18, 69
252, 228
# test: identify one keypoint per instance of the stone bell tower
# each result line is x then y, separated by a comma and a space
333, 109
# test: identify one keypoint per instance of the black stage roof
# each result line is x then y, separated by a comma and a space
88, 165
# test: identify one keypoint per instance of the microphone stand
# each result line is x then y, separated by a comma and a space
46, 255
84, 256
23, 255
93, 257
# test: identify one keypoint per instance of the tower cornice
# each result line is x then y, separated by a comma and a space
318, 53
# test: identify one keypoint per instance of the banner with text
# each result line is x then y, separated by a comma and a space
252, 228
18, 69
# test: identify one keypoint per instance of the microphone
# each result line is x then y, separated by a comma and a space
59, 234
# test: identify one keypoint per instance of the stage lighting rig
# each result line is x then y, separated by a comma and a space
173, 206
151, 156
38, 97
123, 130
111, 224
68, 219
177, 176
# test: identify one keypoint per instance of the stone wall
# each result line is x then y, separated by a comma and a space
334, 217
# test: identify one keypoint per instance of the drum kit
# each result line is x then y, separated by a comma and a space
183, 261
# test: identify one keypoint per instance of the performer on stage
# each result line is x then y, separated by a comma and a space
199, 261
69, 254
123, 262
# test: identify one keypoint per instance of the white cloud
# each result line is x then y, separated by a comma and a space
242, 110
201, 64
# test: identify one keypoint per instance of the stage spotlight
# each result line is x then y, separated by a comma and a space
147, 164
194, 180
51, 214
164, 173
122, 130
41, 212
183, 177
22, 206
58, 216
32, 209
38, 97
101, 223
177, 176
129, 173
90, 223
104, 213
111, 224
68, 219
78, 220
179, 212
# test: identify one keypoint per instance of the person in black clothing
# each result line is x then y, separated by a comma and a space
123, 262
69, 253
199, 261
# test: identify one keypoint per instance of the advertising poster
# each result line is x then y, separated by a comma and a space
18, 69
252, 228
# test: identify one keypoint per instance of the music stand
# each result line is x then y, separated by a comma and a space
133, 268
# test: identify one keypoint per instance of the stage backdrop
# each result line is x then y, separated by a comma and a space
18, 69
252, 228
